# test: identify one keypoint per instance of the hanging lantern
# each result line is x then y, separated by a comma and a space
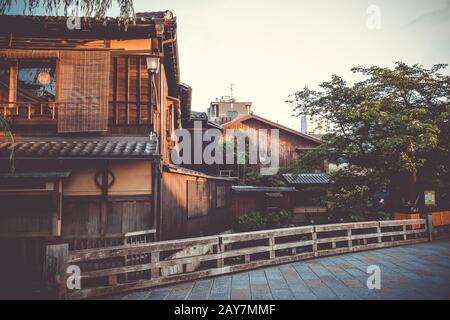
44, 77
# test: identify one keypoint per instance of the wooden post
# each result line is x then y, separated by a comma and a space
349, 234
138, 91
55, 265
154, 272
314, 239
220, 249
127, 93
115, 111
271, 244
379, 234
57, 214
430, 225
404, 232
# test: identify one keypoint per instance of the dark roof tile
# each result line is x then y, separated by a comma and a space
82, 148
262, 189
307, 178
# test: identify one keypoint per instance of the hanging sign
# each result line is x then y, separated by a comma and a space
430, 197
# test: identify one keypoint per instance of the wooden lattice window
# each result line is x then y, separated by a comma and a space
83, 91
198, 199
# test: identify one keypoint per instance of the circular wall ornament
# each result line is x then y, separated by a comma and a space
98, 179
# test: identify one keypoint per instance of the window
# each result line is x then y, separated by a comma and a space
221, 196
232, 114
198, 199
36, 81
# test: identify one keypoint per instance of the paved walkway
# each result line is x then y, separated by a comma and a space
419, 271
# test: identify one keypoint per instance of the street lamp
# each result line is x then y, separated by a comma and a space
153, 68
153, 65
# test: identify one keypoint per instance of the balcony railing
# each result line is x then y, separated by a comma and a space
29, 110
120, 114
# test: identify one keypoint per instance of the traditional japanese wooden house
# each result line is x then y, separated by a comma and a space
93, 105
291, 142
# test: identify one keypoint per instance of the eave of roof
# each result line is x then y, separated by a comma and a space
49, 175
307, 179
180, 170
269, 122
262, 189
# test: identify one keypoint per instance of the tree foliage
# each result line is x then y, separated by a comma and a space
88, 8
392, 123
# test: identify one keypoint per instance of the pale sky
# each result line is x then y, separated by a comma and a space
270, 49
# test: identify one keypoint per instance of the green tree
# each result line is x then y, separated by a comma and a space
392, 124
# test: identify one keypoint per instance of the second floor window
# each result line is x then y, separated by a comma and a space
36, 81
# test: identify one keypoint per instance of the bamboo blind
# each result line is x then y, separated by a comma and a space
83, 90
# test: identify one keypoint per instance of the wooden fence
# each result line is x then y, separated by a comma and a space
225, 254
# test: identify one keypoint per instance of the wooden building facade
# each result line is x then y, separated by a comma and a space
93, 110
291, 142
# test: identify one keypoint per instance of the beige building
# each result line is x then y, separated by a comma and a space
226, 109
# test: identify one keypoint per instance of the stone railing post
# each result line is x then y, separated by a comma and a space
429, 218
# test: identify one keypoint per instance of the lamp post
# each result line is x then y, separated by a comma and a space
153, 68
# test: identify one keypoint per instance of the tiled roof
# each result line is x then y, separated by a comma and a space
271, 123
35, 175
262, 189
307, 178
138, 147
197, 115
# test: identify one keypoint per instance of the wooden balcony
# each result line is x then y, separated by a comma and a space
122, 116
30, 113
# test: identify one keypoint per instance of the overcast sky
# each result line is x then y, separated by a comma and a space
270, 49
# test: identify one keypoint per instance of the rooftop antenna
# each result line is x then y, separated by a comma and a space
231, 87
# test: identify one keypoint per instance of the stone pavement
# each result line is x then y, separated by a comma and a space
420, 271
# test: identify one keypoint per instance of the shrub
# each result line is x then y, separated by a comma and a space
279, 219
252, 221
255, 221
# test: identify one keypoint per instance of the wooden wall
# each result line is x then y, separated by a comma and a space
83, 215
289, 142
128, 202
246, 202
175, 222
131, 178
